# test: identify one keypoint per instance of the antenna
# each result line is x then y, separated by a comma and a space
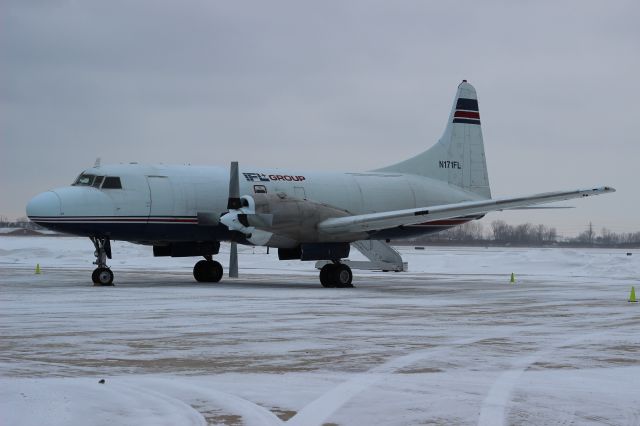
97, 163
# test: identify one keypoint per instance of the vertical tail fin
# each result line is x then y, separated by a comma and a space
458, 158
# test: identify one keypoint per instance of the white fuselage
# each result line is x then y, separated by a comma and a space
163, 202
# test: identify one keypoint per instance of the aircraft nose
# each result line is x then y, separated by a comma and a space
46, 204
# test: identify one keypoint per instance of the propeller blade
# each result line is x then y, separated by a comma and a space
233, 260
234, 203
234, 187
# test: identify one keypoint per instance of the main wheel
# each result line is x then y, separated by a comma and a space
326, 275
216, 271
102, 276
200, 271
207, 271
342, 276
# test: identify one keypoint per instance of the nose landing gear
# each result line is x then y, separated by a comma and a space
102, 275
336, 275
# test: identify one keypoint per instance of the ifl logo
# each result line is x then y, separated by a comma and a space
256, 177
261, 177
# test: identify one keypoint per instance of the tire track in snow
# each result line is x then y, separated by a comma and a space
252, 413
169, 406
320, 409
494, 407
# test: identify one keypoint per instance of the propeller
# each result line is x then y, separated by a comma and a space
234, 203
233, 260
242, 219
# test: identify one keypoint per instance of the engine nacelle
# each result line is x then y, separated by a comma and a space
278, 220
292, 218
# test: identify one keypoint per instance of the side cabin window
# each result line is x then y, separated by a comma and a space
111, 182
259, 189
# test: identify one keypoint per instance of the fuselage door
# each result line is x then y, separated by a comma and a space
299, 193
162, 200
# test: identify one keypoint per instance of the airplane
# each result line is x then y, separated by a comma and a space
184, 210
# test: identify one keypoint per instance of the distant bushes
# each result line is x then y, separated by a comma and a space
527, 234
22, 222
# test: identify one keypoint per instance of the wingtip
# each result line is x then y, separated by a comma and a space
603, 190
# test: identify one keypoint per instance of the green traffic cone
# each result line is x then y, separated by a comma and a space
38, 268
632, 295
513, 278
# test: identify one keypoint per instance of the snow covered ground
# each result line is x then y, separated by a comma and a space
450, 342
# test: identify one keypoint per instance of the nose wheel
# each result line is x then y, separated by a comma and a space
334, 275
102, 275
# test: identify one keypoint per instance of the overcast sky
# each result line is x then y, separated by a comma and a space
325, 85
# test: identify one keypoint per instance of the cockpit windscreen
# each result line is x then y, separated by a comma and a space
84, 180
101, 182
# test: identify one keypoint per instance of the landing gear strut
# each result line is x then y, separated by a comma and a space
336, 275
102, 275
207, 271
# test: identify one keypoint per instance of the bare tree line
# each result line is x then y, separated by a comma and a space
22, 222
501, 233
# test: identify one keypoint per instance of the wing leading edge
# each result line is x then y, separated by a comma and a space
392, 219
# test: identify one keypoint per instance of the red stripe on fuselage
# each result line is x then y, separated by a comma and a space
445, 222
174, 220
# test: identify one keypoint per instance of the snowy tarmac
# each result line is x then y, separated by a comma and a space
450, 342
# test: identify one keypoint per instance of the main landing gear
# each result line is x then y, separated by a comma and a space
102, 275
207, 271
336, 275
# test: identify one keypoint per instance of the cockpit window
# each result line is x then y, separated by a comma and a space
98, 181
108, 182
111, 182
84, 180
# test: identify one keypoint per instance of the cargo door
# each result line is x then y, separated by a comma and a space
162, 200
299, 193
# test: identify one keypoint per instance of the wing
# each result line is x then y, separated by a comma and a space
391, 219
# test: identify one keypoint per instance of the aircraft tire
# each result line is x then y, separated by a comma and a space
326, 275
342, 276
207, 271
103, 276
216, 271
200, 271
